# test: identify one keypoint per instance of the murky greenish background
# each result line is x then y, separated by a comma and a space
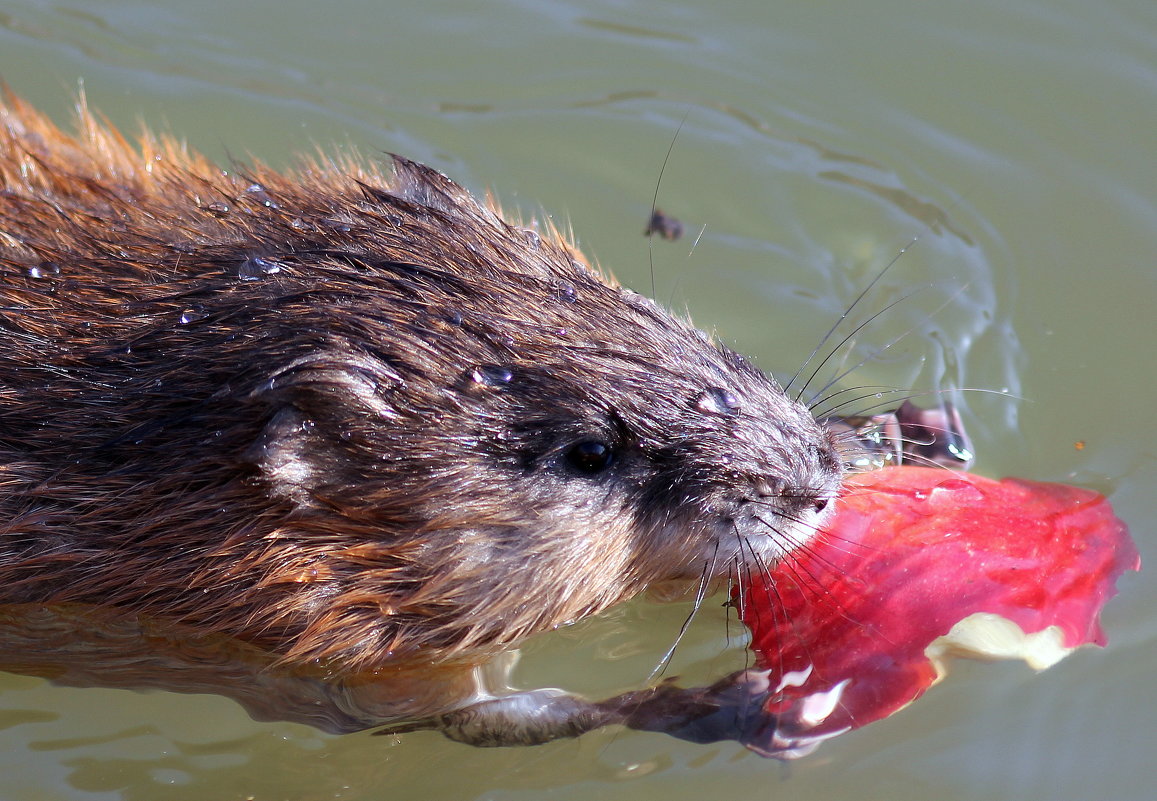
1015, 138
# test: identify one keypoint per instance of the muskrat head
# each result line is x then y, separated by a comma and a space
504, 441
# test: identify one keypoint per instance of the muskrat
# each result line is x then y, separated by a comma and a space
353, 417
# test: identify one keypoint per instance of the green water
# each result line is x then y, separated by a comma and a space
815, 140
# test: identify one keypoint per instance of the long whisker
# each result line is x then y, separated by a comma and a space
655, 197
880, 389
848, 310
904, 394
848, 338
700, 594
876, 353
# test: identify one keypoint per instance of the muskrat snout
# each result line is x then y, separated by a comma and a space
782, 480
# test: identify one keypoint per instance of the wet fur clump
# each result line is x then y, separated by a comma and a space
351, 414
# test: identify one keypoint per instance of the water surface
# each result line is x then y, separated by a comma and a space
815, 140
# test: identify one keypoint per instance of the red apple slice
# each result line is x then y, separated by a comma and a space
919, 563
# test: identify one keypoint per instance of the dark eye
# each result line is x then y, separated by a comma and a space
590, 456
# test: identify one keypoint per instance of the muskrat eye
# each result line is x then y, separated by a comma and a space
590, 456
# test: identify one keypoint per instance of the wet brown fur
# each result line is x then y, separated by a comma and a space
328, 412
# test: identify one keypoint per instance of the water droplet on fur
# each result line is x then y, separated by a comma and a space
717, 400
258, 193
567, 293
532, 238
491, 375
43, 269
257, 268
192, 315
218, 209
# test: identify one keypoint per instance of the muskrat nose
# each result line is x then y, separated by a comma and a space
791, 499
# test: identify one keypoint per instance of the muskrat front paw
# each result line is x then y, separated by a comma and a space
525, 718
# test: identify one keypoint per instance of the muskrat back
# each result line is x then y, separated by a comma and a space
354, 415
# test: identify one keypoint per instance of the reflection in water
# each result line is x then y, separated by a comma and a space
86, 646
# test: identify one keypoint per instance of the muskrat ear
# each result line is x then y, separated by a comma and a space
320, 408
333, 387
292, 457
